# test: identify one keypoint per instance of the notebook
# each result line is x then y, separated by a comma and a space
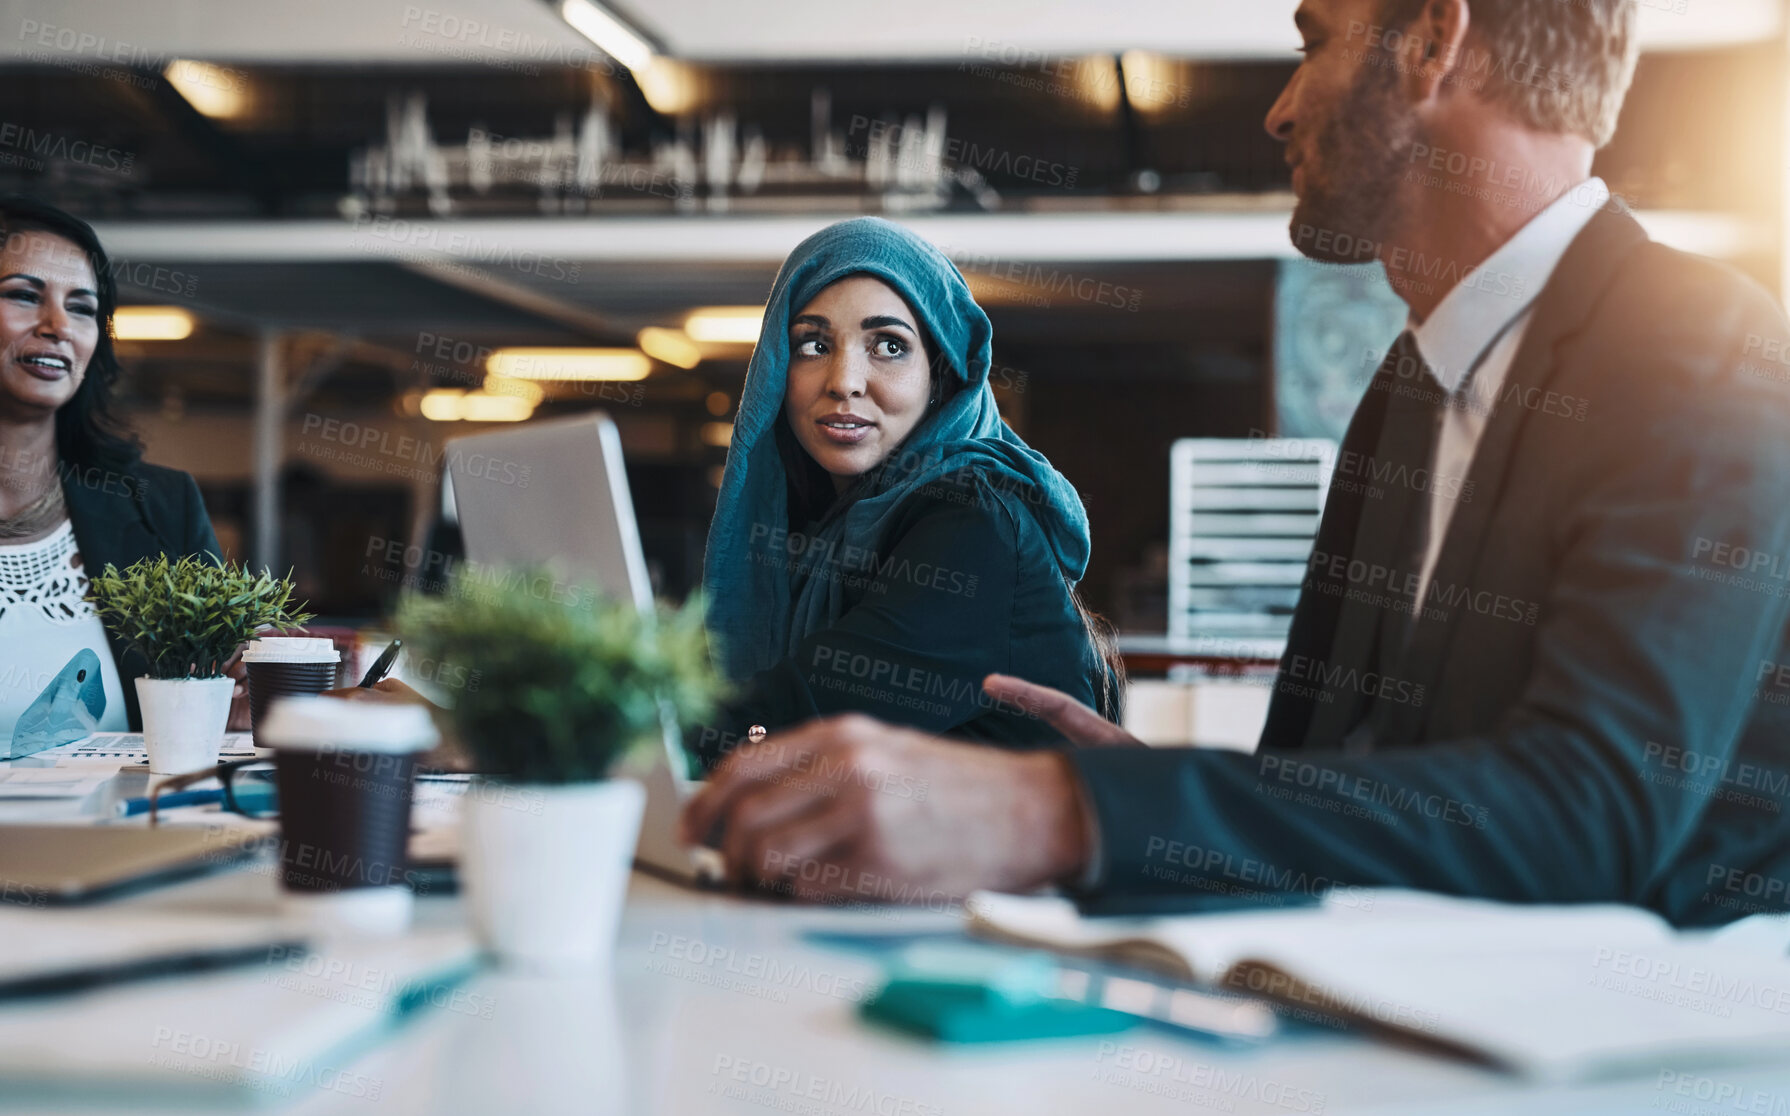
41, 946
1553, 993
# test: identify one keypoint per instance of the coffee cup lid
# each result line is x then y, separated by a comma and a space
291, 649
319, 724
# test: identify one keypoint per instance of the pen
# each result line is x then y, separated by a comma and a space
1176, 903
56, 983
382, 666
130, 807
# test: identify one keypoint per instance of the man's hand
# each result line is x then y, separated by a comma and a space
1080, 725
850, 807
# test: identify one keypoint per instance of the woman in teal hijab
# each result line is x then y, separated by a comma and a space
882, 540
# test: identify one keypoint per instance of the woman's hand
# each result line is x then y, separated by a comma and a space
445, 756
384, 690
239, 696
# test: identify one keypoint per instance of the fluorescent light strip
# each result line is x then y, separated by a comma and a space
672, 346
455, 405
151, 323
725, 325
612, 36
215, 91
569, 364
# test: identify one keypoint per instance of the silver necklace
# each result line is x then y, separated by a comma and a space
37, 517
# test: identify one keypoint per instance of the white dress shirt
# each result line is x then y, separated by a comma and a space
44, 619
1471, 338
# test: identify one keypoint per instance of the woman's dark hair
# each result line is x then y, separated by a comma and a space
87, 432
1103, 640
810, 487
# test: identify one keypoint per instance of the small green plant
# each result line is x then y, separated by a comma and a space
554, 683
188, 615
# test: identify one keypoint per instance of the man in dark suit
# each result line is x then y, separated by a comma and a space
1540, 653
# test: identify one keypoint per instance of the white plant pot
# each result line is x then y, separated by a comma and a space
184, 721
544, 869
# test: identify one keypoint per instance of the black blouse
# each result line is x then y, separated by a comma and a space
964, 585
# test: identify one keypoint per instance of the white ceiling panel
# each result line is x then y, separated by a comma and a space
992, 30
251, 31
522, 32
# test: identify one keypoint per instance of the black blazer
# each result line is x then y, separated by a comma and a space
123, 515
1600, 711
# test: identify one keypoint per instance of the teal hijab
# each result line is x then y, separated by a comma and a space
768, 586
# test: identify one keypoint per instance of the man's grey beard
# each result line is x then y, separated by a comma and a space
1363, 152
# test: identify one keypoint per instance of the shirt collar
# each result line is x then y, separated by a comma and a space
1486, 300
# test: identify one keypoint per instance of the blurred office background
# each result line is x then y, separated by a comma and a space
332, 219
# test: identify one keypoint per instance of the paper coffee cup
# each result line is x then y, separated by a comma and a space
281, 666
345, 770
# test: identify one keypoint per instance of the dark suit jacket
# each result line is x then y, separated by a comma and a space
1595, 709
123, 515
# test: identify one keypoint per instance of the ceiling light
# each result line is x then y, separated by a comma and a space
480, 406
442, 404
521, 389
725, 325
216, 91
672, 346
1097, 81
570, 364
612, 36
1151, 83
717, 433
670, 87
455, 405
151, 323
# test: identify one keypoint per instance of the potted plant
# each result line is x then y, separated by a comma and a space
186, 617
550, 686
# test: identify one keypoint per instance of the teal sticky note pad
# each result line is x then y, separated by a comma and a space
965, 1013
992, 974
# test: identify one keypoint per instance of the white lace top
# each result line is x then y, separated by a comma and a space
44, 620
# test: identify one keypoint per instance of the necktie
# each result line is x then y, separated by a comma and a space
1403, 463
1391, 436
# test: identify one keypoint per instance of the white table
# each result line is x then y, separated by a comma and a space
717, 1004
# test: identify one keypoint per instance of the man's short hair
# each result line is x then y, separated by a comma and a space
1556, 65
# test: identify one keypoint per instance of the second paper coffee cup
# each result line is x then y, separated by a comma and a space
344, 770
286, 666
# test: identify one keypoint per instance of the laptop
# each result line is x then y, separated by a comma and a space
555, 493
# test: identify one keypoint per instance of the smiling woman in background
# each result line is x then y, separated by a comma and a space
882, 540
74, 492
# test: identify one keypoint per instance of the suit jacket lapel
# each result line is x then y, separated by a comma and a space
109, 519
1562, 308
106, 510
